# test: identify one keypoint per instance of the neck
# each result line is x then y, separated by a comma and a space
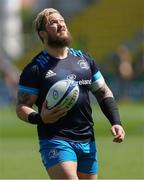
59, 53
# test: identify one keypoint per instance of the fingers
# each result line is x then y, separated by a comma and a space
118, 139
52, 115
58, 113
118, 132
113, 131
44, 105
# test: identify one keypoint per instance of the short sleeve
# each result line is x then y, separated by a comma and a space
97, 78
29, 80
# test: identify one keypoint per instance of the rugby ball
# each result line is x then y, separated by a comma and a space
64, 93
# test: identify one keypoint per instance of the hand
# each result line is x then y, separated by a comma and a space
118, 132
52, 115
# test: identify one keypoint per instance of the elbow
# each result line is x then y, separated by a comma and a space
18, 111
103, 93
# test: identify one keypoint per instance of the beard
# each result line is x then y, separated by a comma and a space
59, 42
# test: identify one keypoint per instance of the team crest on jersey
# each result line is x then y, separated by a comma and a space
71, 76
83, 64
50, 73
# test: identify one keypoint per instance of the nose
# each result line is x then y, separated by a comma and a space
60, 23
60, 26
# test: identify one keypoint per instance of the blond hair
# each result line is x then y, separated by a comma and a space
41, 19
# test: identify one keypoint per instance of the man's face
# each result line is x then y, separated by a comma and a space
57, 33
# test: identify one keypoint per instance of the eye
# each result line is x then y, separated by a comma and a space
62, 20
56, 21
52, 22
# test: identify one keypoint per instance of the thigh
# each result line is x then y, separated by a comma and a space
64, 170
87, 160
58, 157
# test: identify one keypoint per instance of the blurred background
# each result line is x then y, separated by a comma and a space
110, 31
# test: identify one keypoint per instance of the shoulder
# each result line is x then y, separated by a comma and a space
78, 52
85, 59
38, 62
35, 66
82, 54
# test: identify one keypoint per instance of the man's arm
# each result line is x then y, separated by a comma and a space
26, 113
108, 106
24, 105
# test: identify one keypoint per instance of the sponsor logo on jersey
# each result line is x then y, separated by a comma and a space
50, 73
84, 82
83, 64
80, 82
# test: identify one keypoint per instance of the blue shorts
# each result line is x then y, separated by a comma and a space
55, 151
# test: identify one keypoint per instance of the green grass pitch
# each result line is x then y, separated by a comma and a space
19, 150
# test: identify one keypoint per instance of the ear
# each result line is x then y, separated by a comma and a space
42, 34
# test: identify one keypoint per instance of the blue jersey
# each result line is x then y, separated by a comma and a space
43, 71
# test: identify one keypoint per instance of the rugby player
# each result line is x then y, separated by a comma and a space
66, 138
